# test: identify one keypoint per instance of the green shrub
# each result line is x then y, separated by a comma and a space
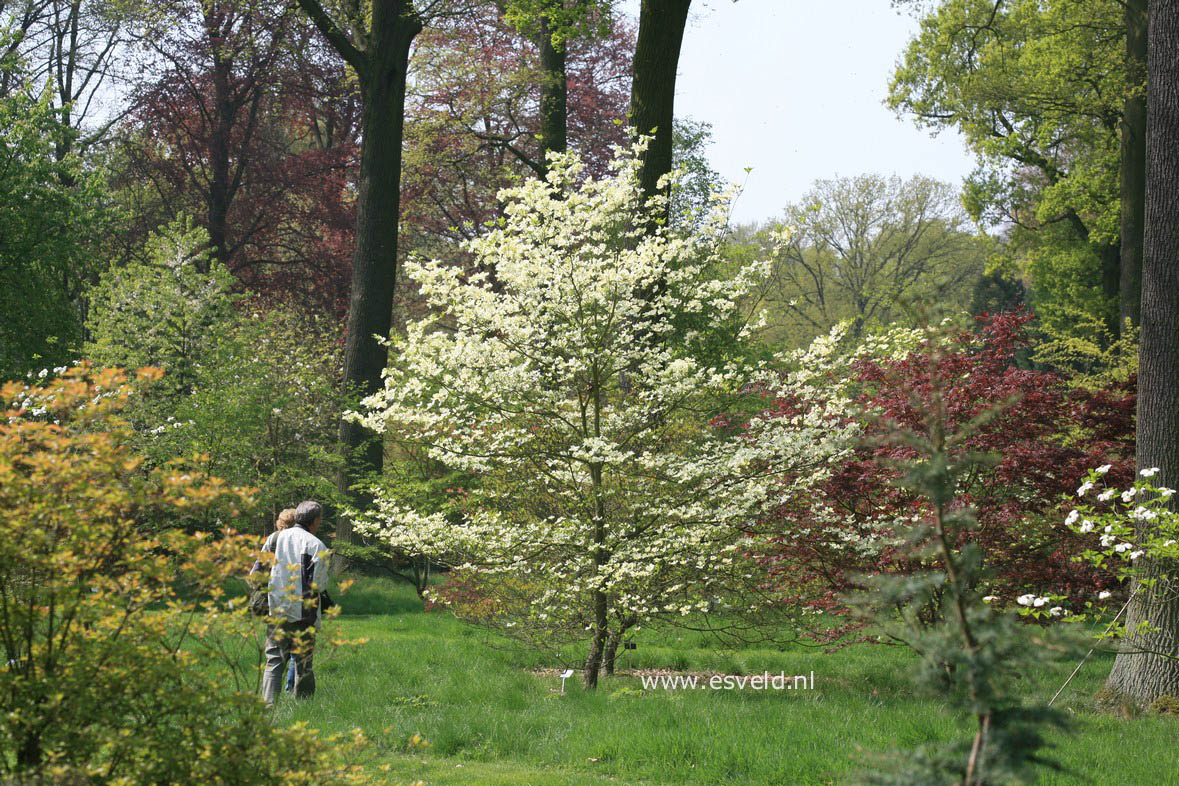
254, 390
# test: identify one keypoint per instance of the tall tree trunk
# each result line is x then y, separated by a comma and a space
65, 65
652, 93
554, 95
1149, 666
219, 159
380, 61
1109, 255
600, 602
374, 262
593, 661
1133, 165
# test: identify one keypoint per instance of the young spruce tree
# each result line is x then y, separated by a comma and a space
969, 653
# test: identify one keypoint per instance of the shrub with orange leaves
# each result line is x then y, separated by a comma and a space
125, 660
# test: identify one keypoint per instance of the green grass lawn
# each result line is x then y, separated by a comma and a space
489, 720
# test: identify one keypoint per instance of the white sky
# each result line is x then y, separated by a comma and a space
795, 90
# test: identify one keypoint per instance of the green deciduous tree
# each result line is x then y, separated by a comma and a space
51, 214
861, 249
1039, 90
696, 180
257, 392
551, 24
67, 52
263, 409
166, 310
1132, 182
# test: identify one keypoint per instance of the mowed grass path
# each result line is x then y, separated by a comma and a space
488, 720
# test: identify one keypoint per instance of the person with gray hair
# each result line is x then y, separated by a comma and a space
298, 582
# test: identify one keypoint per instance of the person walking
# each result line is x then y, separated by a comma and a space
298, 580
286, 518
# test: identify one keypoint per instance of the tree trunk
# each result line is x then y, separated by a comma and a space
219, 156
28, 754
1145, 676
1109, 255
612, 644
652, 96
1133, 165
374, 262
608, 659
554, 95
66, 57
593, 662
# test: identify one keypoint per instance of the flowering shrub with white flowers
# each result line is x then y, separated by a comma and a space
1120, 521
1134, 526
579, 380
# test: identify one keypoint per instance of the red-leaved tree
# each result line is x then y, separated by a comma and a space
1045, 436
246, 124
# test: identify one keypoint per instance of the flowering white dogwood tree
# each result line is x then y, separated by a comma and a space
579, 381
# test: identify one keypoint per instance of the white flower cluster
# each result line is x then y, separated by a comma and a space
1036, 602
1140, 526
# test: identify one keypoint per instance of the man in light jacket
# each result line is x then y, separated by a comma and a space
298, 578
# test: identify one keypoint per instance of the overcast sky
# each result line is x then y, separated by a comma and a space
795, 90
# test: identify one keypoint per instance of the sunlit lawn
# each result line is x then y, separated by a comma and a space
489, 720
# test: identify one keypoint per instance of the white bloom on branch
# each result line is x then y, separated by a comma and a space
579, 391
1149, 472
1141, 513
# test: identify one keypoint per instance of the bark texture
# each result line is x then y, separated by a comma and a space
612, 643
1148, 666
554, 96
381, 67
1133, 165
652, 96
593, 661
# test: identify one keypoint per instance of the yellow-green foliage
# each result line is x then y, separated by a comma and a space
124, 660
1088, 353
1036, 88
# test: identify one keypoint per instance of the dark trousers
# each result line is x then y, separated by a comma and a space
289, 640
